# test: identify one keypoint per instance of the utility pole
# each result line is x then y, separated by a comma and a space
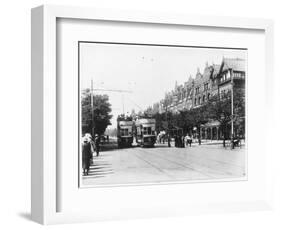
123, 104
232, 109
92, 106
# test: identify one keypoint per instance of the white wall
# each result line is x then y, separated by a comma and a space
15, 111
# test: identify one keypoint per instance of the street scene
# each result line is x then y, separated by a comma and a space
161, 114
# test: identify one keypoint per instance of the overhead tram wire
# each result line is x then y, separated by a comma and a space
136, 104
114, 90
104, 90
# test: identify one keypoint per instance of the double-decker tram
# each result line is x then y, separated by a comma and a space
124, 131
145, 131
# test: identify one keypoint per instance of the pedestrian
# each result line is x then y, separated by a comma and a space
86, 155
177, 141
181, 144
169, 140
91, 141
182, 141
97, 144
188, 140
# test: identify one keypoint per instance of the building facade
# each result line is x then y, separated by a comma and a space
215, 80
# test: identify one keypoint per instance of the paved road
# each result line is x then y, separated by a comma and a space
163, 164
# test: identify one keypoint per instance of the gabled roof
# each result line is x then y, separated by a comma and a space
189, 82
201, 78
216, 69
236, 64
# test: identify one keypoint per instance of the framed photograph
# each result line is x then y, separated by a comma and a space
138, 115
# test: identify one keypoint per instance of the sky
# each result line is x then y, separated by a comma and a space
147, 72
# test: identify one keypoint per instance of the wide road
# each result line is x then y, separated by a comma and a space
163, 164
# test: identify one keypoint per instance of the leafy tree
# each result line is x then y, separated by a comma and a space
239, 110
102, 110
220, 109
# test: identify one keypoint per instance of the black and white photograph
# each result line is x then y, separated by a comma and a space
151, 113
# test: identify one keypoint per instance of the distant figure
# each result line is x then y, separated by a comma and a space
159, 138
188, 140
107, 138
97, 144
182, 141
236, 142
178, 141
86, 156
169, 140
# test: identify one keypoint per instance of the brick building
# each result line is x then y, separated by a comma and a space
216, 79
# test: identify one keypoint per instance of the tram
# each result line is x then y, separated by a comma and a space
124, 132
145, 133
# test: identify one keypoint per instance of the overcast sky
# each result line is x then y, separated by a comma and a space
147, 71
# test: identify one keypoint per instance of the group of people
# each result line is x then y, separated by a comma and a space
90, 145
181, 141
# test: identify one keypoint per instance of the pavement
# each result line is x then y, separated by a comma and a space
163, 164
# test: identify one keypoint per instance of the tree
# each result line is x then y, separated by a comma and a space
102, 110
239, 110
220, 109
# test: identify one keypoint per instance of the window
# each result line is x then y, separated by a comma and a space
209, 95
206, 86
197, 90
222, 94
203, 98
228, 75
147, 131
199, 100
195, 101
124, 132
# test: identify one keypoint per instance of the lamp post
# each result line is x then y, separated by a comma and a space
223, 127
232, 113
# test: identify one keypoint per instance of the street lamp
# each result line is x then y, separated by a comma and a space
232, 108
223, 128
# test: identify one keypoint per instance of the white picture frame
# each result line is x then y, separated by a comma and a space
44, 184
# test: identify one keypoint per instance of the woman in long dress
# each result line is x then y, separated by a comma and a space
86, 156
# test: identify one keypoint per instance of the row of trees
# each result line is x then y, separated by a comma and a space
101, 109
